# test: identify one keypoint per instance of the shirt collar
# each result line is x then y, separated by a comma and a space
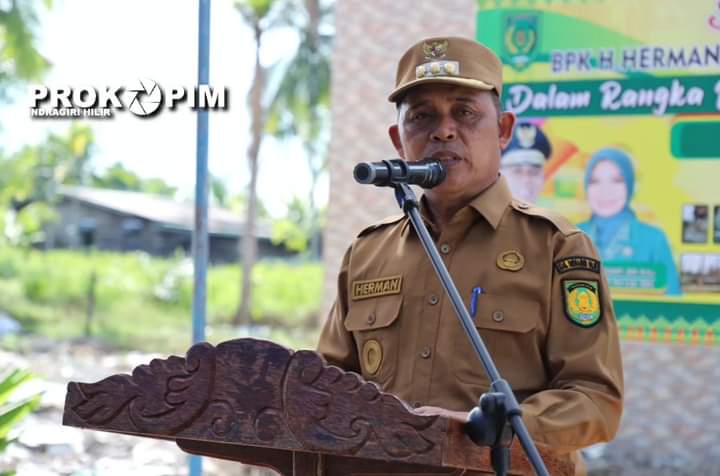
491, 203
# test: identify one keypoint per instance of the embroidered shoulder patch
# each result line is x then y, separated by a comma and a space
376, 287
577, 262
582, 301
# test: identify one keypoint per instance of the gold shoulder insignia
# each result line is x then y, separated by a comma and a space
572, 263
558, 220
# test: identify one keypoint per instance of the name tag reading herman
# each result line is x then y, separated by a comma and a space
376, 287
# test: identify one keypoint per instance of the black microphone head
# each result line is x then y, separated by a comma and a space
426, 173
364, 173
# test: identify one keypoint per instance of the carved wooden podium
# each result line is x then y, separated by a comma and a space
259, 403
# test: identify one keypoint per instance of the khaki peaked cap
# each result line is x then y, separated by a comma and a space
451, 60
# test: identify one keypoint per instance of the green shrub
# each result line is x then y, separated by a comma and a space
11, 413
9, 263
144, 302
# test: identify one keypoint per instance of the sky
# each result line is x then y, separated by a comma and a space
110, 43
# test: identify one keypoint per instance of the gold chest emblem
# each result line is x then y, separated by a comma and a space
372, 356
511, 260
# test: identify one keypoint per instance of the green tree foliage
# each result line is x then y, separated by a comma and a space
301, 106
219, 194
20, 60
295, 231
292, 231
30, 180
119, 177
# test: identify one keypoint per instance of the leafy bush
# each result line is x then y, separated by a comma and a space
48, 292
12, 413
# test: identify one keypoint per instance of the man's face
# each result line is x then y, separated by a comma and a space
459, 126
525, 181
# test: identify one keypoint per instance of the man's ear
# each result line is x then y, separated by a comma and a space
506, 122
394, 133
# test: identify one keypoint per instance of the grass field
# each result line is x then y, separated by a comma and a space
144, 303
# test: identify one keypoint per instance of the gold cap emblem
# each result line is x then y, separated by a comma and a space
372, 356
510, 260
435, 50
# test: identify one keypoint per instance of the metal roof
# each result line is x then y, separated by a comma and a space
166, 211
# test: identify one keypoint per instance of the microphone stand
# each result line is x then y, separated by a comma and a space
487, 425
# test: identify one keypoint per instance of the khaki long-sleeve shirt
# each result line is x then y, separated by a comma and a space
542, 307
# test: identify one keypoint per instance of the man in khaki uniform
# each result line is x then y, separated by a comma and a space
532, 281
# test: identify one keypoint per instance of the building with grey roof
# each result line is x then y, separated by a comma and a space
119, 220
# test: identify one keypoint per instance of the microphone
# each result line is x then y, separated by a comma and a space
426, 173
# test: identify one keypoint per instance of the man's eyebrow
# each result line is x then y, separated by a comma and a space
467, 99
417, 103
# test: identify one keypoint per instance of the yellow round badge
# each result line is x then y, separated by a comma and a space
372, 356
510, 260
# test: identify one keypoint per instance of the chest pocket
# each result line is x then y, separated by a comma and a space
509, 327
376, 328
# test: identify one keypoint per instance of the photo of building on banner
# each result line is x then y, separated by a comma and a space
618, 130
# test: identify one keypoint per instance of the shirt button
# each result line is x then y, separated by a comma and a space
371, 318
498, 316
417, 404
445, 248
426, 352
433, 299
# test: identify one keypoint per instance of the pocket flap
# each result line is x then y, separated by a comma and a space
506, 313
374, 313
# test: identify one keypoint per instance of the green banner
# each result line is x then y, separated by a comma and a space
644, 96
622, 99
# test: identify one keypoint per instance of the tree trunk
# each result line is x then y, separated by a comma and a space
314, 218
248, 249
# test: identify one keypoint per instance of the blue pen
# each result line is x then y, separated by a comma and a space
477, 290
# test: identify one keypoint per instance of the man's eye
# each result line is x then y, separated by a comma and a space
466, 112
418, 116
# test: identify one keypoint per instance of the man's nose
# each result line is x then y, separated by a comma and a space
446, 130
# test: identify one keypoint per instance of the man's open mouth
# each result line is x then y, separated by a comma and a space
448, 159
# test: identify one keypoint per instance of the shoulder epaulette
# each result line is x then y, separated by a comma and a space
557, 219
384, 222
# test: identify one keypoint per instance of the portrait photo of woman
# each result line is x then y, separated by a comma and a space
614, 227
